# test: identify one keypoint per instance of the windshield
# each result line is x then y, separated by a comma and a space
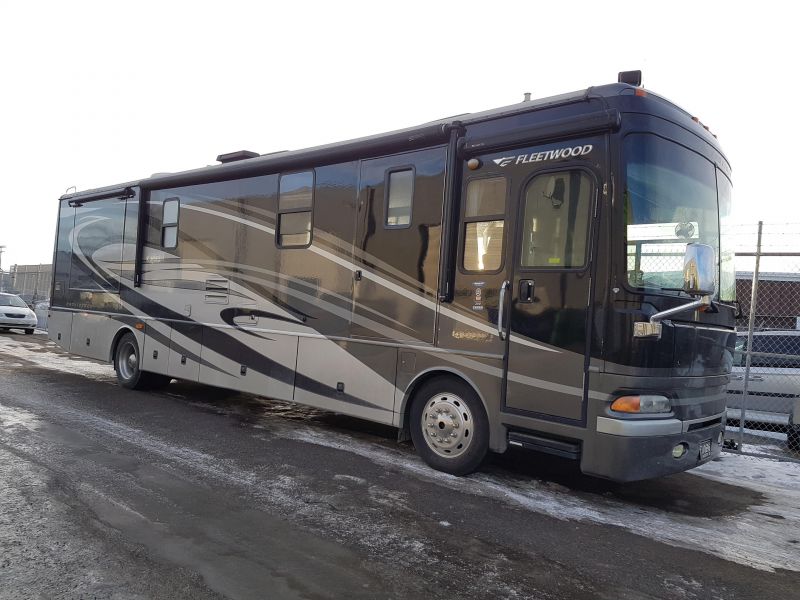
12, 301
671, 200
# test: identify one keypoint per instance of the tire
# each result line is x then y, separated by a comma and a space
793, 438
127, 359
449, 426
29, 332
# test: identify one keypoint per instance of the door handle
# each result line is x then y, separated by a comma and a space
526, 287
501, 310
358, 275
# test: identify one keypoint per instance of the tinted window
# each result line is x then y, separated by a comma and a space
97, 245
12, 301
169, 223
786, 345
66, 220
130, 235
484, 224
294, 229
486, 197
670, 200
483, 245
400, 193
556, 222
296, 191
295, 201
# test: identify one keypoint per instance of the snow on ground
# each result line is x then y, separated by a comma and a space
48, 357
760, 474
765, 536
17, 417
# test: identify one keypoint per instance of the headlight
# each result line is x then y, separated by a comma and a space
641, 404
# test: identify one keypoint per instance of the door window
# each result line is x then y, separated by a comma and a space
484, 224
556, 220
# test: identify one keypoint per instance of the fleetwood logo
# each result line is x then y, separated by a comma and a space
522, 159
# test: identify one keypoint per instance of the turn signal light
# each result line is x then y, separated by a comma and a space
628, 404
641, 404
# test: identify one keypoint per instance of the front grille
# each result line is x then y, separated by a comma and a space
13, 316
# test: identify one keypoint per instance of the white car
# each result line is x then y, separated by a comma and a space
15, 314
773, 390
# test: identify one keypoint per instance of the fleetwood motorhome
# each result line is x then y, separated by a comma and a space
553, 275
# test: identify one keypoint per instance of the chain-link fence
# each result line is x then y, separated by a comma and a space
764, 392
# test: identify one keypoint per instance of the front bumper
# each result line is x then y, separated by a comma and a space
614, 453
24, 323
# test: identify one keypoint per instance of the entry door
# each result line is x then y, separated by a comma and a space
548, 313
398, 235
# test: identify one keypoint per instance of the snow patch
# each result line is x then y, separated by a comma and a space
351, 478
749, 538
11, 416
764, 475
47, 357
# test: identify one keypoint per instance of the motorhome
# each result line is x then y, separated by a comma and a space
552, 275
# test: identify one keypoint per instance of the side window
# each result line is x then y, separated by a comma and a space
295, 201
97, 245
399, 198
484, 220
555, 227
169, 222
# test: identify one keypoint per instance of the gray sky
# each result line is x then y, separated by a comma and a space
97, 93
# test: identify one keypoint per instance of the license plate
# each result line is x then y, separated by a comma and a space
705, 449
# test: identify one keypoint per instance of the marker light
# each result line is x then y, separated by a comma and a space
641, 404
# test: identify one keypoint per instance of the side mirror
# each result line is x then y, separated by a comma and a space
699, 270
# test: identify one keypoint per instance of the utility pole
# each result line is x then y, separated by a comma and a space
1, 267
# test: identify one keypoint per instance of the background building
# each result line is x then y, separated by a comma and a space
30, 282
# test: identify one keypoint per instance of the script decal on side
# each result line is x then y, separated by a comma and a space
521, 159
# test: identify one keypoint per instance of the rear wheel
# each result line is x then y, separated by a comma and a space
127, 365
449, 426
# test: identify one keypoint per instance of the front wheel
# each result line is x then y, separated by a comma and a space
29, 332
449, 426
127, 365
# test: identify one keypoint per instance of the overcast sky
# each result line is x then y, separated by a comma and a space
98, 93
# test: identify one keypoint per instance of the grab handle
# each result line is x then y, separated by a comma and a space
501, 311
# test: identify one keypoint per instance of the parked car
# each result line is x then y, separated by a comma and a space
15, 314
773, 387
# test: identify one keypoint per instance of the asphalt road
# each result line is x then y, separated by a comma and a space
195, 493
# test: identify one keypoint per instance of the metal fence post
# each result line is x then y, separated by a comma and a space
750, 326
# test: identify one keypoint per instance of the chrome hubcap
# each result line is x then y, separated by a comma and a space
127, 361
447, 425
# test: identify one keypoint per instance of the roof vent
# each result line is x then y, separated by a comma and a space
238, 155
527, 97
630, 77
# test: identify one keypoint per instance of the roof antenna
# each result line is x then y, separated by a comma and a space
72, 187
527, 97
